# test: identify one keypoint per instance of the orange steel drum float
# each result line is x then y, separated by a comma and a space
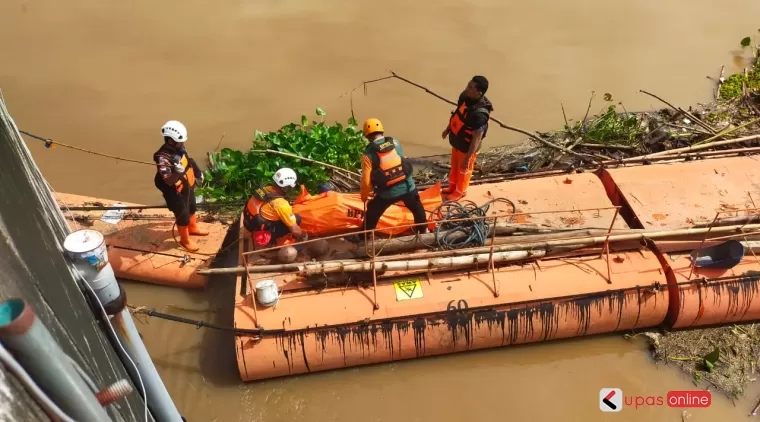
408, 314
143, 245
144, 248
668, 244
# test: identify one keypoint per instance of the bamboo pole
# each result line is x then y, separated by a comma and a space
705, 154
691, 148
420, 264
549, 247
351, 257
690, 245
506, 253
658, 234
726, 132
742, 219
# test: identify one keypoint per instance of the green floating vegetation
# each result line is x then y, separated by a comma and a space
610, 127
732, 86
233, 174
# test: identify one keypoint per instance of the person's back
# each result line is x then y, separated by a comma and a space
374, 155
271, 204
269, 210
386, 172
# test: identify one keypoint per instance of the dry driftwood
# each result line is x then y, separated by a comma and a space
682, 111
534, 136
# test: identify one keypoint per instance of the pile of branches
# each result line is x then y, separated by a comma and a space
616, 136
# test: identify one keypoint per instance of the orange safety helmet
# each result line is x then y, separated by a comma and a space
372, 126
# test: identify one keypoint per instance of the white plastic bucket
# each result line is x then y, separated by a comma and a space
266, 292
87, 248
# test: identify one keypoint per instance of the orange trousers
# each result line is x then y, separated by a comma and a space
459, 180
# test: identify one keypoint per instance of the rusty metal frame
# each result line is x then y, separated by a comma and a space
606, 249
491, 264
374, 259
251, 289
375, 305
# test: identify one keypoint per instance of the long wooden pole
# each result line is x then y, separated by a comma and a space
420, 264
451, 262
685, 149
547, 246
409, 243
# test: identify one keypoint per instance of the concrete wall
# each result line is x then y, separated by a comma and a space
32, 267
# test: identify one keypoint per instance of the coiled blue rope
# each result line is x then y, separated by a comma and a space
475, 231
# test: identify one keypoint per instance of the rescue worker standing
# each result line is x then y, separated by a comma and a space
389, 174
176, 177
466, 129
269, 216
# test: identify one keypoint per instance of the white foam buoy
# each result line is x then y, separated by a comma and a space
266, 292
87, 246
88, 253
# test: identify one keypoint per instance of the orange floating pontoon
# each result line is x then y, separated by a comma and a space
436, 313
686, 193
676, 195
144, 248
315, 326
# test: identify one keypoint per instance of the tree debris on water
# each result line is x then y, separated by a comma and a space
723, 358
616, 135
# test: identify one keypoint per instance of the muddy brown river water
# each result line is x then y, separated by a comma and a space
106, 75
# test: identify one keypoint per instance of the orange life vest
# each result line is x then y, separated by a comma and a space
461, 133
389, 168
260, 197
189, 173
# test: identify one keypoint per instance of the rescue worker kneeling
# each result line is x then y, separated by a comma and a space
175, 177
389, 173
268, 215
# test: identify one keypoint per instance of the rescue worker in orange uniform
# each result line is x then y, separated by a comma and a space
389, 174
268, 214
466, 129
176, 177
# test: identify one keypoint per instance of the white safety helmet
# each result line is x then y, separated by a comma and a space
285, 177
174, 130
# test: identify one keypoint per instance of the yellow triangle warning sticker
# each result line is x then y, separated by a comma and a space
408, 289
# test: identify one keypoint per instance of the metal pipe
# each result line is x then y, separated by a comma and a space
32, 388
37, 351
159, 401
87, 250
